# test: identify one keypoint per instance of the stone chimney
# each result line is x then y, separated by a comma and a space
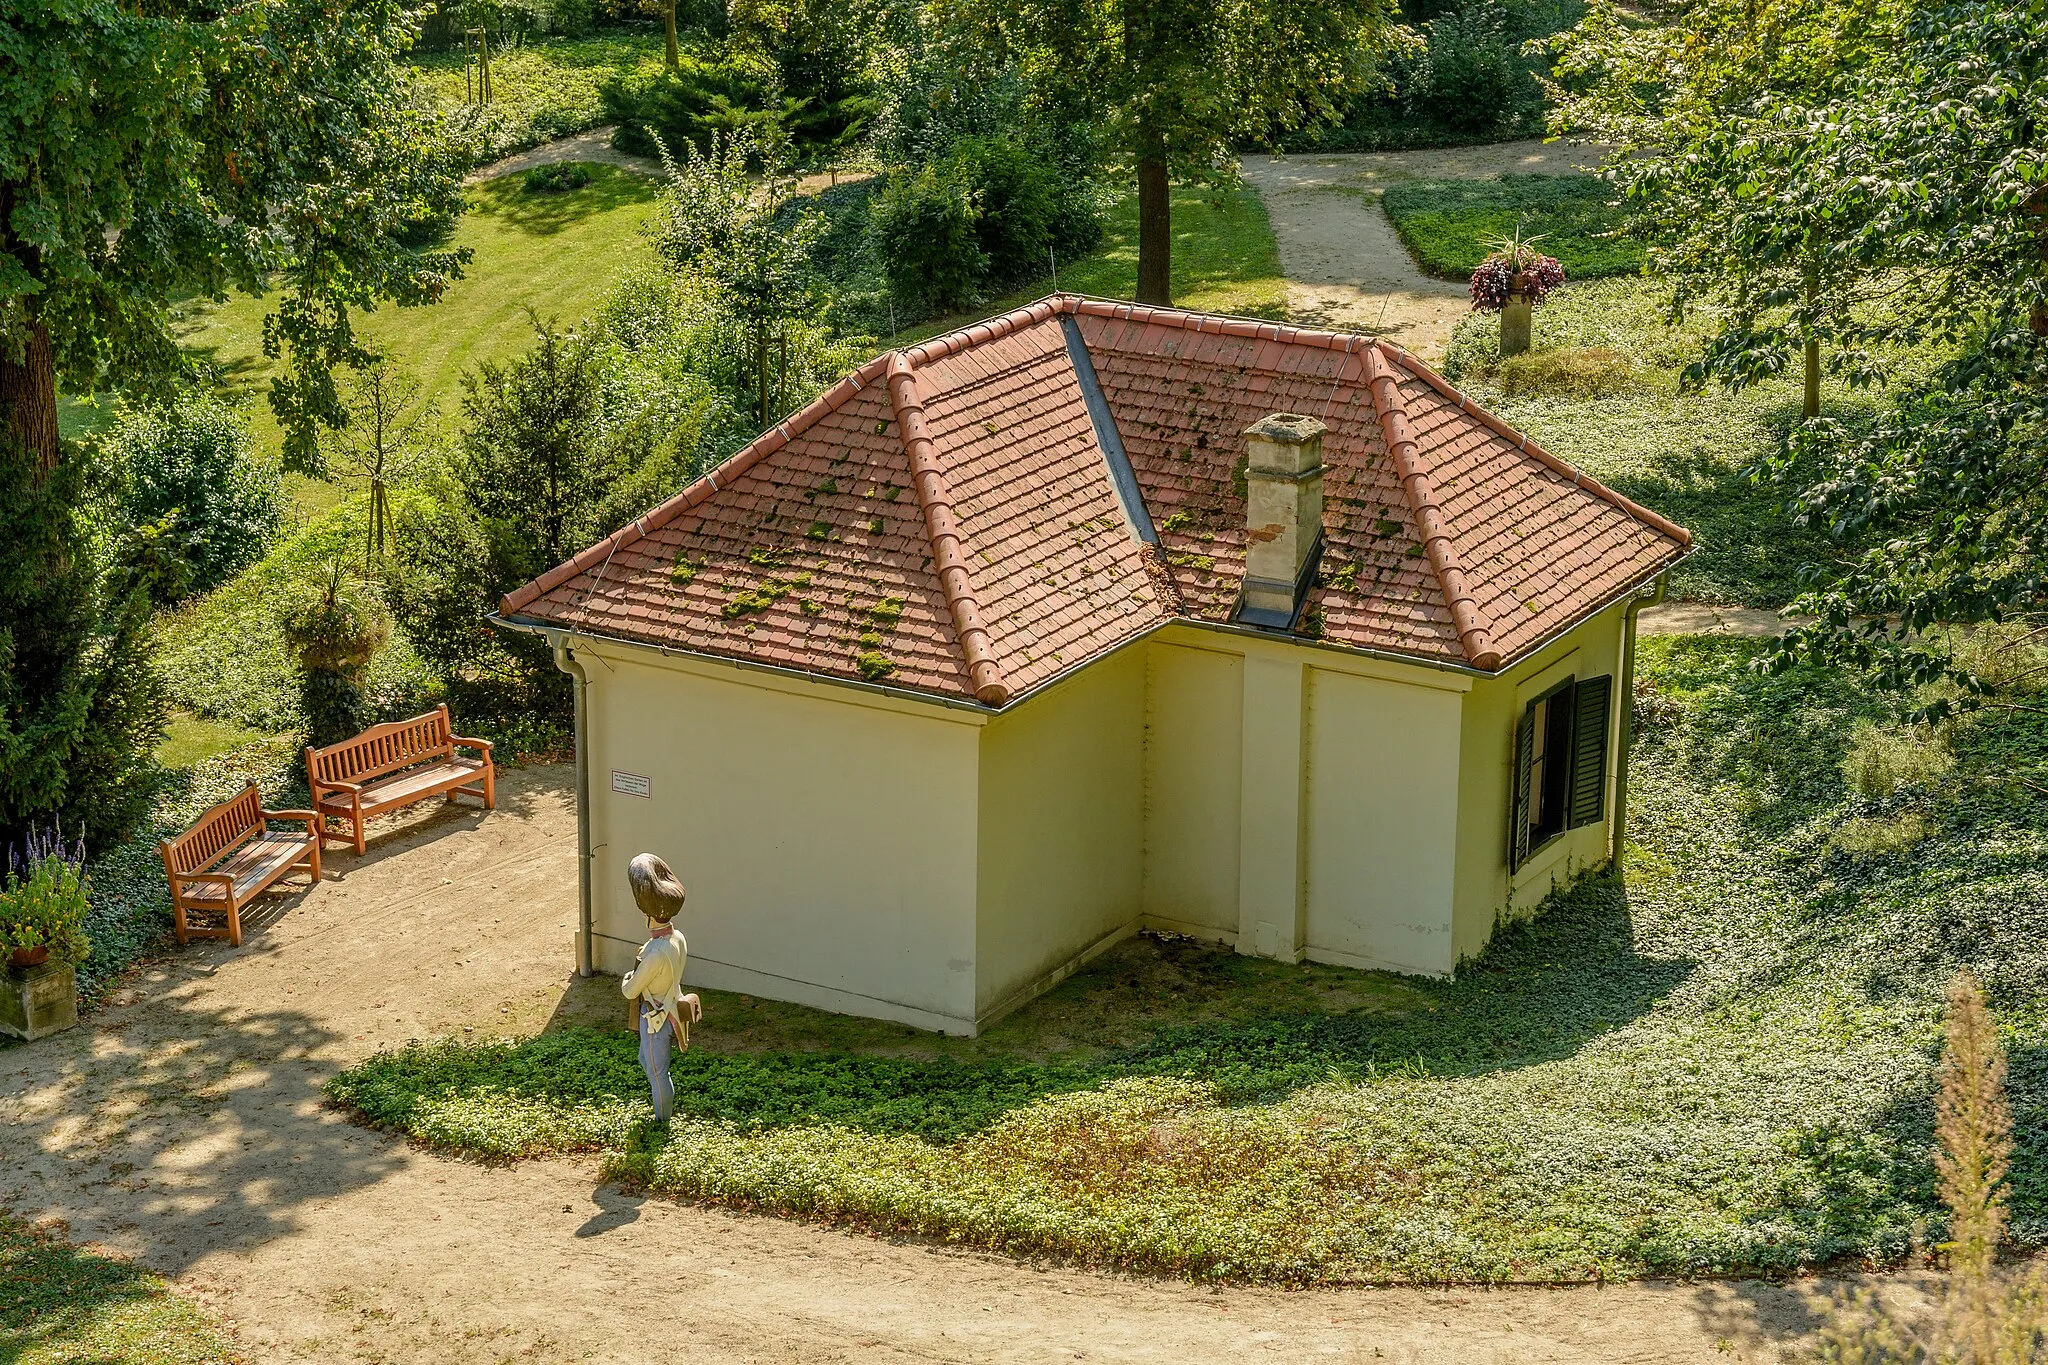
1283, 516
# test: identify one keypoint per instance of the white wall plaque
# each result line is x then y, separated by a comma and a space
629, 784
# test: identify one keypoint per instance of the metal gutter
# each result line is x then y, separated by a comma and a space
1198, 623
1107, 438
1618, 829
580, 683
751, 665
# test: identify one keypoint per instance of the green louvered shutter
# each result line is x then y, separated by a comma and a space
1518, 811
1589, 751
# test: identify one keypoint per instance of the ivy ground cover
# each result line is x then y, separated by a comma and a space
1718, 1061
1450, 225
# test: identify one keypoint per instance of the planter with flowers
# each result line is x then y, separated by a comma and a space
42, 936
1511, 281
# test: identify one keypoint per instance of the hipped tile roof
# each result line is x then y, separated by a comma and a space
946, 518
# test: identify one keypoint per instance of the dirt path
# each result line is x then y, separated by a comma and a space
1344, 265
595, 144
185, 1127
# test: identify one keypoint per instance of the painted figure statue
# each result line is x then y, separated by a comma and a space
661, 1015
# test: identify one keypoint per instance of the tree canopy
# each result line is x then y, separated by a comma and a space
184, 147
1175, 84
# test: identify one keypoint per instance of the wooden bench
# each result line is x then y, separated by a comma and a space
388, 767
232, 856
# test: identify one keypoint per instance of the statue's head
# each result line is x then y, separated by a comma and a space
655, 889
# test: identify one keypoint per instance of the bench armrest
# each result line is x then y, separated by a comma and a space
458, 740
304, 816
337, 787
217, 878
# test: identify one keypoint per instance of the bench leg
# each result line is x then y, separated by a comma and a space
234, 924
178, 920
490, 786
357, 821
315, 853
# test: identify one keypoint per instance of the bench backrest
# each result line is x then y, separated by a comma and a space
382, 749
218, 830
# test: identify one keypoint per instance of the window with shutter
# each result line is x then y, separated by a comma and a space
1544, 748
1518, 814
1590, 721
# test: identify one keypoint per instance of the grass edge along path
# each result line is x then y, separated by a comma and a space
1718, 1064
1448, 225
62, 1304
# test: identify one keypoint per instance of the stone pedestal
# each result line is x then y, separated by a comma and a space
35, 1001
1515, 317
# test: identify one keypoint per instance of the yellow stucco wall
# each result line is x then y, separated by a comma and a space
1382, 822
1194, 746
827, 835
1485, 894
1062, 832
891, 857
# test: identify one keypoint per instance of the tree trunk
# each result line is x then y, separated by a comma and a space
1809, 407
673, 57
761, 371
28, 398
1155, 226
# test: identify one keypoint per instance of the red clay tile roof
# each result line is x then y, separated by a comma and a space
945, 519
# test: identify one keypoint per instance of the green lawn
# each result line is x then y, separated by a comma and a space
1224, 261
193, 739
1600, 389
1718, 1063
556, 254
1448, 225
63, 1305
545, 89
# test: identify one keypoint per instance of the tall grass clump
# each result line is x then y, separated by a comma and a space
1985, 1315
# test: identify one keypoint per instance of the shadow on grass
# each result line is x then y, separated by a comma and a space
59, 1301
1538, 995
543, 213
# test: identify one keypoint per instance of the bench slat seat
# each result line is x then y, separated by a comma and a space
253, 865
230, 856
394, 765
405, 788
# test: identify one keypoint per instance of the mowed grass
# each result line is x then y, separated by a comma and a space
1718, 1062
546, 254
1225, 260
192, 739
546, 88
1450, 225
63, 1305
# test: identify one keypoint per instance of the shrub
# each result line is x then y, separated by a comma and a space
1872, 837
190, 460
924, 229
1016, 197
44, 899
556, 177
675, 109
333, 629
1471, 77
1882, 758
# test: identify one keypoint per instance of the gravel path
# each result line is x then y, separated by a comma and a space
1344, 265
595, 144
184, 1126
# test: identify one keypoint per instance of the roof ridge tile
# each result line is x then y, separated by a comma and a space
745, 458
948, 553
1475, 632
1528, 446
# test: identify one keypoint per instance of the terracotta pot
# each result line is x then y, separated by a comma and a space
29, 957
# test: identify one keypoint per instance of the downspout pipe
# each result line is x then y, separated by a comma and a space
566, 660
1617, 832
